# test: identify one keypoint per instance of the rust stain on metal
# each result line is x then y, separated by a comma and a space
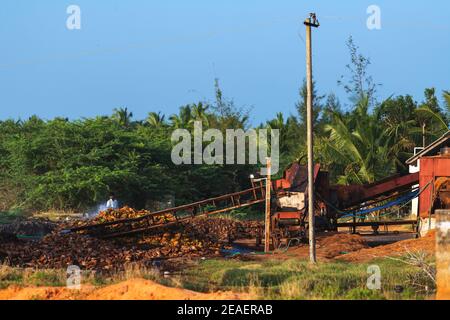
437, 171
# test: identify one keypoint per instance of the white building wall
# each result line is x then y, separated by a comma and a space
415, 169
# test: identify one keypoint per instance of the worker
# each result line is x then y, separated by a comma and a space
112, 202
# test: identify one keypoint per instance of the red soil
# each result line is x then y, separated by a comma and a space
136, 289
426, 244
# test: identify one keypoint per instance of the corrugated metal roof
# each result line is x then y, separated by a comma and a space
433, 148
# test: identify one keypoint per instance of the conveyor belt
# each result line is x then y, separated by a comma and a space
177, 215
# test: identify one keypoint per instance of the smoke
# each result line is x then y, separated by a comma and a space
93, 212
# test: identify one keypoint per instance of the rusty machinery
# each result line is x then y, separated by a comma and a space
289, 218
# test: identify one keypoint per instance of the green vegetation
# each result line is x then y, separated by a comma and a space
30, 277
72, 165
244, 214
296, 279
11, 216
10, 276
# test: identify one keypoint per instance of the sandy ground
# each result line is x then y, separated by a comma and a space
136, 289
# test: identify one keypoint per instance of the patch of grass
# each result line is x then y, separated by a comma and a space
12, 215
58, 215
45, 278
135, 271
364, 294
10, 276
30, 277
244, 214
294, 279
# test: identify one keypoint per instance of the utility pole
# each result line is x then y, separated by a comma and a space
268, 206
424, 141
310, 23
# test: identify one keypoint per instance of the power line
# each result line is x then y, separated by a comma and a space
145, 45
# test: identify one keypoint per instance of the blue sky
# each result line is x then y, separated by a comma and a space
153, 55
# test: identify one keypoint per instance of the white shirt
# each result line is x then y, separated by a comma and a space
112, 204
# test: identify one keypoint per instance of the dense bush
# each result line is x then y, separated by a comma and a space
61, 164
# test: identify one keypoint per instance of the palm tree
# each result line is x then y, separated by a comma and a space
290, 146
156, 120
439, 122
401, 126
360, 145
122, 116
280, 124
434, 120
447, 103
199, 112
183, 119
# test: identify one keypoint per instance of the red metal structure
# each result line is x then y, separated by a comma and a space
434, 180
349, 196
434, 173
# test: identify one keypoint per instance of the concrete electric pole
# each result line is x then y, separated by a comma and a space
310, 23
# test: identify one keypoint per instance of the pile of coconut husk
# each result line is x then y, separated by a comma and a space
6, 237
224, 230
32, 227
125, 213
60, 251
201, 238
